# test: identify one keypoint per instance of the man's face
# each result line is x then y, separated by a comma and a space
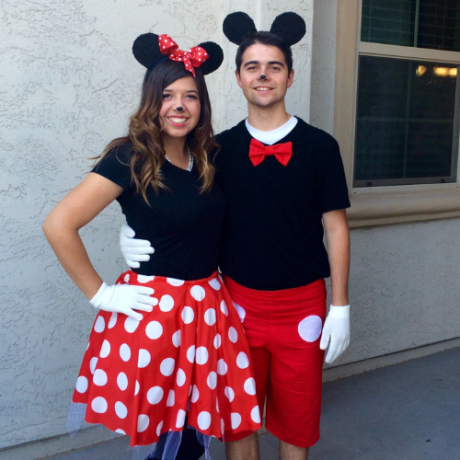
265, 60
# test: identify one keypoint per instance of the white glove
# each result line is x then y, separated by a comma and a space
124, 298
134, 250
336, 332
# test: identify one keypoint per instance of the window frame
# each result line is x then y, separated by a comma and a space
382, 205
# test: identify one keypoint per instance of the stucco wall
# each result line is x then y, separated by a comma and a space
69, 84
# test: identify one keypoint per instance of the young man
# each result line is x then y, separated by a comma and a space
284, 181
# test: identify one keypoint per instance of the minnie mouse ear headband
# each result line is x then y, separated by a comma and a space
150, 49
290, 27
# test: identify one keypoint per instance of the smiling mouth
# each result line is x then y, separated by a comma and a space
263, 88
178, 121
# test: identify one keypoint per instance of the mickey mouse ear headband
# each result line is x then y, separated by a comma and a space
150, 49
289, 26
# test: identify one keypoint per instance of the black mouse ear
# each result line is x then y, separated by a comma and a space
146, 50
290, 27
237, 26
215, 57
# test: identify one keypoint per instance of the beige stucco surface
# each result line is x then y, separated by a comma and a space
68, 85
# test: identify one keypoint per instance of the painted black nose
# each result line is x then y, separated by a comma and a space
179, 109
262, 77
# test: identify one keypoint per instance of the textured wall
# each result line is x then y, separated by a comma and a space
69, 83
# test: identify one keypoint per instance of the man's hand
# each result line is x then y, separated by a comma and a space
124, 298
336, 332
134, 250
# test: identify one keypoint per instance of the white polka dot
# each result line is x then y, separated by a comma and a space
113, 320
223, 307
122, 381
167, 366
191, 354
214, 283
99, 405
120, 431
202, 355
166, 303
217, 341
180, 418
229, 393
171, 398
195, 394
181, 377
155, 395
99, 325
255, 414
242, 360
92, 365
176, 339
236, 420
197, 293
175, 282
154, 330
137, 388
310, 328
210, 316
126, 278
105, 349
204, 420
188, 315
241, 311
100, 378
221, 367
212, 380
82, 384
131, 324
121, 410
217, 405
142, 423
250, 386
87, 346
222, 426
159, 427
144, 358
125, 352
145, 279
233, 335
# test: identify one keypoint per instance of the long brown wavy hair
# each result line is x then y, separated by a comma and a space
144, 135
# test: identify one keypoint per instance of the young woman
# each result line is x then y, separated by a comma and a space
167, 348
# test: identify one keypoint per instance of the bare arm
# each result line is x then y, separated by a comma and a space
61, 227
338, 249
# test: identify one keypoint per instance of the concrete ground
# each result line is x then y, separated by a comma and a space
409, 411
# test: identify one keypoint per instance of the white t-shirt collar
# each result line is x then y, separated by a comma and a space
275, 135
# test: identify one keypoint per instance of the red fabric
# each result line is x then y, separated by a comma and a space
283, 329
194, 57
188, 357
258, 152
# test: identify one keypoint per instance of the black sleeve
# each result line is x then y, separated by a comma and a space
115, 166
333, 187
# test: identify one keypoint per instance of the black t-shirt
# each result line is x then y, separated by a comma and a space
183, 225
273, 232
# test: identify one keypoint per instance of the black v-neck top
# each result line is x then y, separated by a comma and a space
183, 225
273, 233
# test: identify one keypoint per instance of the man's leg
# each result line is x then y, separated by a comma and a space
291, 452
243, 449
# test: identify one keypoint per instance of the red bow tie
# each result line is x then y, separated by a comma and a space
258, 152
194, 57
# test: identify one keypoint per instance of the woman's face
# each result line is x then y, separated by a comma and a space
181, 108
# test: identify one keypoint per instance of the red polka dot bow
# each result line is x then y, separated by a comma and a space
194, 57
258, 152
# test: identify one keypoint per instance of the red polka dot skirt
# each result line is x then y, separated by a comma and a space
187, 358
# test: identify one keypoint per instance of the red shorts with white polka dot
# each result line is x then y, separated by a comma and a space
187, 358
283, 329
